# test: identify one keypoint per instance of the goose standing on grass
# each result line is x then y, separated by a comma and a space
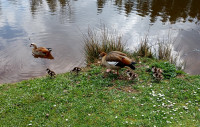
41, 51
116, 60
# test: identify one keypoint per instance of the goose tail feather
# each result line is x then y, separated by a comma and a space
50, 49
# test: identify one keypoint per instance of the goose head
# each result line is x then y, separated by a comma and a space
102, 54
33, 44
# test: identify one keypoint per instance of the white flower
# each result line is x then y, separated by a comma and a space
66, 119
54, 105
30, 124
116, 117
153, 93
171, 117
168, 121
89, 114
185, 107
154, 105
133, 97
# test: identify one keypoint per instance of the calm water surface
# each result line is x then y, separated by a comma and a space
59, 24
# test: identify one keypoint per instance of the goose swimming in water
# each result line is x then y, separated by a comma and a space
40, 51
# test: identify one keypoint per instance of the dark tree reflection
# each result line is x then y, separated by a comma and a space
52, 5
62, 6
100, 5
168, 10
128, 6
34, 5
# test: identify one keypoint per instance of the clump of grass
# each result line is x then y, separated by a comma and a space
165, 52
99, 41
144, 49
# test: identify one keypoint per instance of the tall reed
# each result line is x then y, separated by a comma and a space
99, 41
144, 49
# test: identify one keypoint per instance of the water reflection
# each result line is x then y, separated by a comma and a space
34, 5
0, 8
49, 56
168, 10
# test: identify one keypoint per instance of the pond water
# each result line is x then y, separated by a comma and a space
59, 24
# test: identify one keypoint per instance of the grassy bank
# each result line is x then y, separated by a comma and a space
94, 98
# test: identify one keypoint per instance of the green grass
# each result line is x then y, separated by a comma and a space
94, 98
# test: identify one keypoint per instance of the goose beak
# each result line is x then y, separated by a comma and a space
30, 45
134, 63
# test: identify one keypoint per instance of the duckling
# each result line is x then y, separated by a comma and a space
131, 75
116, 60
51, 73
76, 69
157, 73
156, 70
40, 51
158, 76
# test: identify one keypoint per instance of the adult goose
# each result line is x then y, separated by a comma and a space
40, 51
116, 60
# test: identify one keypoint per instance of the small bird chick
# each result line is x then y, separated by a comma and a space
157, 73
51, 73
76, 69
158, 76
131, 74
156, 70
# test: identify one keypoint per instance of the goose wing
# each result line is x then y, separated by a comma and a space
117, 59
117, 52
42, 49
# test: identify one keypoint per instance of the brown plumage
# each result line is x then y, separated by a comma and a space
76, 70
40, 51
116, 60
51, 73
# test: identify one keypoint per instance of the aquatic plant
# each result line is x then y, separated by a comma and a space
96, 41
